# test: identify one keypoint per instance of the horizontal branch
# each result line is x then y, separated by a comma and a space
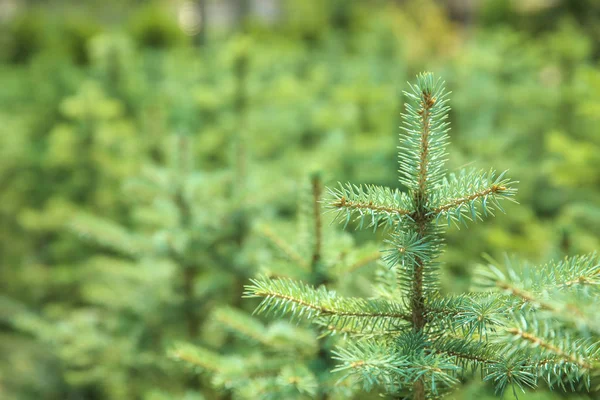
456, 203
469, 194
301, 300
197, 356
468, 316
537, 341
372, 363
284, 248
370, 205
525, 296
241, 323
279, 337
547, 287
568, 273
108, 234
356, 332
467, 351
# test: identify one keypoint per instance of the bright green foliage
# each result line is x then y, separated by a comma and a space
506, 115
282, 359
553, 326
414, 341
573, 167
276, 367
152, 285
91, 93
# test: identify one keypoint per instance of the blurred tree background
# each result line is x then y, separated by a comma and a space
145, 145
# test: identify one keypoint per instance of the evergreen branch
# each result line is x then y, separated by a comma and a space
560, 373
467, 352
292, 339
412, 258
370, 204
526, 297
469, 313
372, 363
437, 371
411, 338
197, 356
241, 323
511, 371
331, 330
297, 379
284, 247
408, 247
493, 278
469, 194
552, 298
375, 363
228, 371
535, 341
570, 273
546, 288
421, 169
107, 234
422, 147
301, 300
481, 316
554, 352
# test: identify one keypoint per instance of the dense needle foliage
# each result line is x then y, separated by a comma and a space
154, 158
281, 359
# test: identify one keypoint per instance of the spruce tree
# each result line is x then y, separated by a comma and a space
281, 360
412, 340
148, 282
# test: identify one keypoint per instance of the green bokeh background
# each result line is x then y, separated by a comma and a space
265, 93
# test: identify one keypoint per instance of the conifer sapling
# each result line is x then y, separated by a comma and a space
410, 339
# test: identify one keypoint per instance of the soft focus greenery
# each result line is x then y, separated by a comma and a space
140, 165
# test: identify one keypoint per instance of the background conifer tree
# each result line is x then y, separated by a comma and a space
149, 285
283, 360
412, 340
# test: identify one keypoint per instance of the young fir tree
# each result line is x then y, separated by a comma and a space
149, 282
286, 361
415, 342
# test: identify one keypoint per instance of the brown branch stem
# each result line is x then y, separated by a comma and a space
539, 342
525, 296
494, 189
316, 190
421, 220
344, 203
327, 311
